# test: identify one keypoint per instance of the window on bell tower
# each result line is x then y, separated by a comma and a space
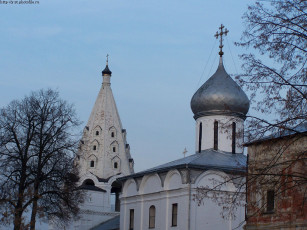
200, 136
94, 147
92, 164
215, 141
233, 137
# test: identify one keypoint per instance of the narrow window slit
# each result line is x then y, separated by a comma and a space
215, 144
200, 136
233, 137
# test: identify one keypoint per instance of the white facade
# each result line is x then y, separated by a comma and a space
204, 190
104, 155
225, 133
104, 140
174, 187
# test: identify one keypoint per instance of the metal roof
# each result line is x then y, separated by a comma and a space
220, 95
300, 129
112, 224
207, 159
106, 71
91, 187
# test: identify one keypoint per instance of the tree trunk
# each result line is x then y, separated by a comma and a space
19, 206
34, 206
18, 217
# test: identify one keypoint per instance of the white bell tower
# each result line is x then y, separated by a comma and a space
104, 155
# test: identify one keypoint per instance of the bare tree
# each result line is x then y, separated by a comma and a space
277, 79
37, 147
275, 76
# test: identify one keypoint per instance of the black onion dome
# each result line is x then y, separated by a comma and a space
106, 71
220, 95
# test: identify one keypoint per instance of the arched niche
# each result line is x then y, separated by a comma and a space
150, 184
112, 132
214, 179
114, 147
92, 161
89, 176
95, 145
173, 180
97, 131
88, 182
130, 188
116, 163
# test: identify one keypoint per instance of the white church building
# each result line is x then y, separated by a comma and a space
204, 190
197, 192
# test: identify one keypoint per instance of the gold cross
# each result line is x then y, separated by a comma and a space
220, 34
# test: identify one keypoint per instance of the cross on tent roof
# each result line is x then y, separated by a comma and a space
107, 59
220, 34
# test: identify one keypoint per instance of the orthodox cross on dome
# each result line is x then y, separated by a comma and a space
220, 34
107, 59
184, 152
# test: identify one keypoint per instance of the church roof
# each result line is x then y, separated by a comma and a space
300, 129
220, 95
207, 159
91, 187
112, 224
106, 71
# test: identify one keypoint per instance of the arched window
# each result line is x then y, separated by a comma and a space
114, 149
115, 165
97, 133
233, 137
112, 134
94, 147
89, 182
92, 164
200, 136
152, 216
215, 141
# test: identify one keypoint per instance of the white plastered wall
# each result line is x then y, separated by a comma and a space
224, 133
210, 214
150, 193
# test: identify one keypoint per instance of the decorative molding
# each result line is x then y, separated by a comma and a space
90, 212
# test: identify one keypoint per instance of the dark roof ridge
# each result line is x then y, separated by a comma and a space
206, 159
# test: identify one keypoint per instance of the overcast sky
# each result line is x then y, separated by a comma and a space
159, 55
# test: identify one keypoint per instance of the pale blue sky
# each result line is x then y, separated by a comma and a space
158, 50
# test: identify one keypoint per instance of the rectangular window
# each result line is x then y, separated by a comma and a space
131, 219
152, 216
174, 214
233, 137
200, 136
270, 201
